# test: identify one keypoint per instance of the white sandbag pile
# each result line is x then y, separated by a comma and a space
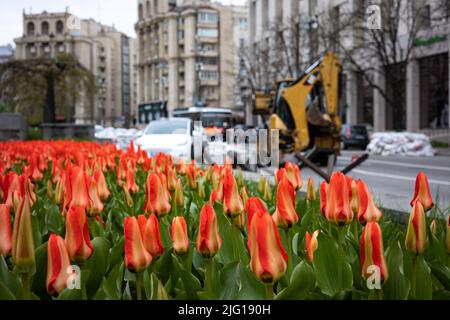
400, 143
120, 136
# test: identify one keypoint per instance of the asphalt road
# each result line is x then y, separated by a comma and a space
391, 179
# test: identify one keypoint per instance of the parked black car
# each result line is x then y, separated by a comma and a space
354, 136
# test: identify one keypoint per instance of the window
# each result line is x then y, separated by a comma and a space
30, 29
45, 28
207, 47
59, 27
243, 24
155, 7
141, 12
211, 33
210, 61
208, 17
209, 75
241, 43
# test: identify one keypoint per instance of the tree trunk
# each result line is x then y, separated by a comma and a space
49, 110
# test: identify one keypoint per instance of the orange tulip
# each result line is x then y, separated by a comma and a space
130, 183
311, 192
181, 167
5, 231
267, 195
171, 177
208, 239
232, 202
372, 252
323, 189
79, 188
178, 194
156, 200
136, 258
23, 244
338, 203
416, 234
77, 238
35, 173
285, 215
311, 244
12, 183
191, 176
95, 203
252, 206
179, 235
58, 265
368, 211
102, 187
268, 259
294, 176
244, 195
422, 192
152, 238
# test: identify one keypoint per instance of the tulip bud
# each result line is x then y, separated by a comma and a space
77, 238
240, 178
372, 252
179, 235
232, 202
338, 203
58, 265
268, 259
191, 176
244, 195
422, 192
13, 184
161, 293
130, 183
49, 189
261, 184
152, 238
178, 194
447, 237
80, 193
128, 198
368, 211
267, 195
311, 192
323, 189
23, 245
102, 187
285, 215
208, 239
181, 167
201, 188
136, 257
294, 176
252, 206
5, 231
433, 227
311, 244
416, 234
171, 177
95, 204
156, 200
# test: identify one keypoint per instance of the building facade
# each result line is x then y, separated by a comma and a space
187, 55
424, 73
106, 52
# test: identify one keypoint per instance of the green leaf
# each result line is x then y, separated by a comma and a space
39, 279
302, 282
424, 289
97, 265
442, 273
397, 286
10, 280
71, 294
230, 281
250, 287
327, 260
5, 293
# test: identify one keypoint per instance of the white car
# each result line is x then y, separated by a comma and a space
171, 136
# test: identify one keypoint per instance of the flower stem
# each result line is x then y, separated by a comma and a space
290, 255
26, 286
234, 243
208, 275
355, 229
414, 276
379, 294
139, 285
341, 251
269, 291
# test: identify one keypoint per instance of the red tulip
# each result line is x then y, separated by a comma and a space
178, 194
58, 265
311, 244
136, 257
12, 184
208, 239
416, 234
179, 235
311, 192
338, 203
171, 177
156, 200
422, 192
77, 238
372, 252
323, 190
5, 231
252, 206
285, 215
102, 187
268, 257
95, 203
152, 238
130, 183
232, 202
191, 176
23, 244
355, 199
79, 187
368, 211
294, 176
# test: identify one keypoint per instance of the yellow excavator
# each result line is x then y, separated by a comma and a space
306, 113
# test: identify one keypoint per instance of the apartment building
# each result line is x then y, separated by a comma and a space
424, 73
187, 55
108, 53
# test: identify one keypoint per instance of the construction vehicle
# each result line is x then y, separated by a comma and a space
306, 113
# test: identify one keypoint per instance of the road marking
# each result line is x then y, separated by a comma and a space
394, 176
406, 165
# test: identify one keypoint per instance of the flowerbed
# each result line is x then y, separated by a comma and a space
85, 221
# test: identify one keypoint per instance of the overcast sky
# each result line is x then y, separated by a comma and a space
121, 13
